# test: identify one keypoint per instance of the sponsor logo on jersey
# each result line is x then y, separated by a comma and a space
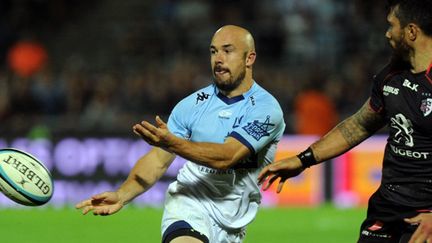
409, 153
404, 130
201, 97
426, 106
390, 90
225, 114
410, 85
257, 129
376, 235
212, 171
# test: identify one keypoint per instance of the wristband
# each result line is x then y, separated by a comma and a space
307, 158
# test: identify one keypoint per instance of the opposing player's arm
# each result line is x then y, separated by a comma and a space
145, 173
349, 133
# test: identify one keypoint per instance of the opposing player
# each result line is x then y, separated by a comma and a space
401, 98
228, 131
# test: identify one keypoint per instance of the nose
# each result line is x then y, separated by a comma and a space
219, 58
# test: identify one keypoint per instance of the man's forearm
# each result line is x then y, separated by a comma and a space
219, 156
348, 134
146, 172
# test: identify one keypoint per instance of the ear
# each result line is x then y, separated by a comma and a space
250, 59
412, 31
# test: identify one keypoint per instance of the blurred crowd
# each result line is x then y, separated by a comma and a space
97, 67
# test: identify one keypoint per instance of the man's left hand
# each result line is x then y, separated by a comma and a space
424, 229
158, 135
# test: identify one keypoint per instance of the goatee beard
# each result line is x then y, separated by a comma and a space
231, 85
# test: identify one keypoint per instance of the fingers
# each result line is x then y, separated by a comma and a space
280, 185
270, 180
86, 206
269, 169
160, 122
83, 204
103, 211
142, 131
263, 175
149, 127
414, 220
87, 209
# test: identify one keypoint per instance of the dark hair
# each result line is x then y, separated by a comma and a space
418, 12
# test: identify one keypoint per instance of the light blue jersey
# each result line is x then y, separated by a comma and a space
230, 197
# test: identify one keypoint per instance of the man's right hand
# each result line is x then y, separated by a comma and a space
282, 169
106, 203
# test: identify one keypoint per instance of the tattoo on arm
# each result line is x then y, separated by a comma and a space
361, 125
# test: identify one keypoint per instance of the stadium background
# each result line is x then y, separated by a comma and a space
75, 75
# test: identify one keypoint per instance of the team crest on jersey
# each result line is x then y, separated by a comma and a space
404, 130
426, 106
258, 129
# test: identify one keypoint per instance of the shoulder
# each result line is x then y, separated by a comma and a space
197, 98
391, 69
262, 99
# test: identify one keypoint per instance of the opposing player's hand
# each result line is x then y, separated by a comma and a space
106, 203
282, 169
158, 135
424, 229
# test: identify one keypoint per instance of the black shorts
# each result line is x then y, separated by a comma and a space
182, 228
385, 220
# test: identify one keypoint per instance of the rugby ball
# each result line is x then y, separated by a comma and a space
23, 178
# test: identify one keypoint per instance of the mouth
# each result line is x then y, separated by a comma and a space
220, 71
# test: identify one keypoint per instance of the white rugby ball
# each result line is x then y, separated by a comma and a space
24, 179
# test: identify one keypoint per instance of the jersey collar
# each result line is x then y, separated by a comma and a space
229, 101
235, 99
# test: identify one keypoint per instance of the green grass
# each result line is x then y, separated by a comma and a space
306, 225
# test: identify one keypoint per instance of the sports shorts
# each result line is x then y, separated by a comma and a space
385, 219
184, 215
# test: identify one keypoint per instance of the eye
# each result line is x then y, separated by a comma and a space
228, 51
212, 51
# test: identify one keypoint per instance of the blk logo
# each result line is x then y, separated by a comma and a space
410, 85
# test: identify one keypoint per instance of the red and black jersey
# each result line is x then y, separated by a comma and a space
405, 100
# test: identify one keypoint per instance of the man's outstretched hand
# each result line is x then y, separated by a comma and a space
282, 169
158, 135
106, 203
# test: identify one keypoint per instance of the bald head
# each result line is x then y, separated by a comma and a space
232, 54
232, 34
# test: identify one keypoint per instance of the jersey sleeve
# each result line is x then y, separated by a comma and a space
259, 127
178, 122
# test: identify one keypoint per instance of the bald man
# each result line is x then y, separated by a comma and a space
227, 132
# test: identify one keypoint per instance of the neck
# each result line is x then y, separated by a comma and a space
244, 86
422, 56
